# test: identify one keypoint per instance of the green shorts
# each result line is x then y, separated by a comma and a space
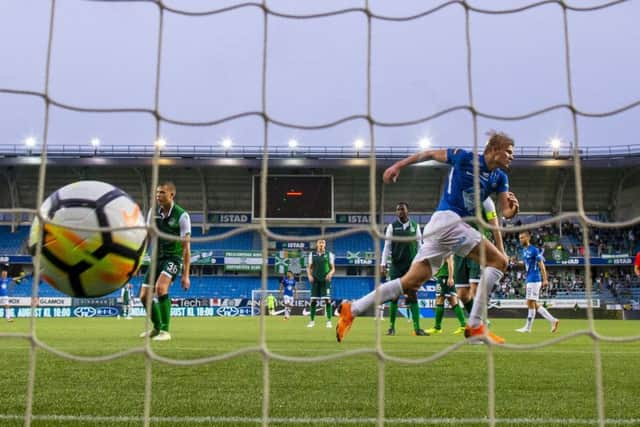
465, 271
321, 289
443, 289
169, 266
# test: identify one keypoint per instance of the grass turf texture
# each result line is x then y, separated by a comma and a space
551, 383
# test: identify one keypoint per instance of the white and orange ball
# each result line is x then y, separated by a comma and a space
83, 263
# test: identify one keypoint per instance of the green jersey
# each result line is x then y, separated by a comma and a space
176, 223
402, 253
320, 264
443, 272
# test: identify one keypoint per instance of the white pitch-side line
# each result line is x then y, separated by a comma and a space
325, 420
333, 350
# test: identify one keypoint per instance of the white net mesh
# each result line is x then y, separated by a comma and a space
373, 228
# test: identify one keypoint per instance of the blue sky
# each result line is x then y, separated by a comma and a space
104, 56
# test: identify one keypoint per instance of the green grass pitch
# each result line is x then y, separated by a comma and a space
534, 387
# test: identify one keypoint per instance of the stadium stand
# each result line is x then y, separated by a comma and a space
219, 287
242, 241
614, 284
13, 242
352, 243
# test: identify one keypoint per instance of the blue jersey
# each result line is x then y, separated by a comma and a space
458, 195
289, 285
531, 257
4, 288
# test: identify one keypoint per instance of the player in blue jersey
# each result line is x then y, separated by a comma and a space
5, 281
288, 293
533, 262
447, 233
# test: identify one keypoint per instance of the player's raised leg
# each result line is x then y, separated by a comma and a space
419, 272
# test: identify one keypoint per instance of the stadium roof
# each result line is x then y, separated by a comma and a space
142, 155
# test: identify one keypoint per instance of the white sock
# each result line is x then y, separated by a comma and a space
388, 291
531, 316
543, 311
488, 277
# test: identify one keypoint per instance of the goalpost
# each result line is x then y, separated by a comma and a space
259, 296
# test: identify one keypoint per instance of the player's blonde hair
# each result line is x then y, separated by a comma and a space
497, 140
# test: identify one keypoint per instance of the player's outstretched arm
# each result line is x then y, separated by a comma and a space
391, 174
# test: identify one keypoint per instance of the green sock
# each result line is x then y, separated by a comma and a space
460, 315
156, 317
165, 312
439, 316
468, 306
415, 315
393, 312
313, 310
329, 310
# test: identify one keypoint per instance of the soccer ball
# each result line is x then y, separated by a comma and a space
89, 263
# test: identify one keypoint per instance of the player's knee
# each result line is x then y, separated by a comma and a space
499, 261
411, 283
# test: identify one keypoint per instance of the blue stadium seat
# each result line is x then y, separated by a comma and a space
238, 242
357, 242
351, 287
12, 243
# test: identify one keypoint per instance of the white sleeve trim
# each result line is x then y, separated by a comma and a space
386, 250
185, 224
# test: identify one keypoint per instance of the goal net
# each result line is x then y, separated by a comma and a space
375, 392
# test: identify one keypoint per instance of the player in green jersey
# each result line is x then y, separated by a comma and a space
446, 289
172, 258
320, 270
402, 254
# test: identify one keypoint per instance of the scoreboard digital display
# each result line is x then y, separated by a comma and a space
298, 197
